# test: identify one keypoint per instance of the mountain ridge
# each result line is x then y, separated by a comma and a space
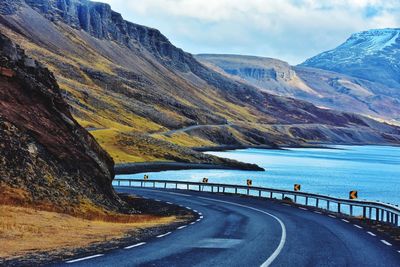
372, 55
138, 92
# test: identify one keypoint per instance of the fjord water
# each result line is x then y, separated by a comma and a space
374, 171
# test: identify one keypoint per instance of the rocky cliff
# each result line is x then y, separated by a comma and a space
323, 88
124, 81
46, 158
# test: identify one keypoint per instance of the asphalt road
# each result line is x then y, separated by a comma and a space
238, 231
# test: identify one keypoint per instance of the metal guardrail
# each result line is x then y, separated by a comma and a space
372, 210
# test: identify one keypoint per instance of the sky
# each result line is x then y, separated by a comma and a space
290, 30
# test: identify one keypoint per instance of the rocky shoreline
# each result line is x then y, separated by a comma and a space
133, 168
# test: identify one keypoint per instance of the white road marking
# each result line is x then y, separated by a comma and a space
168, 203
181, 227
317, 212
178, 194
200, 213
201, 217
385, 242
188, 208
359, 227
198, 220
159, 236
287, 205
370, 233
283, 237
85, 258
195, 210
192, 223
136, 245
157, 200
344, 220
332, 216
398, 251
302, 208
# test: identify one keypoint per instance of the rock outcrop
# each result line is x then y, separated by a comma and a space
46, 158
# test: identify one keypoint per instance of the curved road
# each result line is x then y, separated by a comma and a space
238, 231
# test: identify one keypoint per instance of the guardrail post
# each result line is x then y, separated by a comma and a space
165, 185
199, 188
217, 189
328, 203
317, 202
223, 189
235, 190
364, 212
154, 184
141, 184
387, 216
271, 195
259, 193
212, 189
295, 198
176, 185
187, 186
283, 196
377, 214
396, 219
248, 191
382, 215
370, 213
119, 183
338, 208
351, 210
306, 201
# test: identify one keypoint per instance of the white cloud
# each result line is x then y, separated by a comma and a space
291, 30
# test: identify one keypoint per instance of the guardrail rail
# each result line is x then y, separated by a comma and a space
376, 211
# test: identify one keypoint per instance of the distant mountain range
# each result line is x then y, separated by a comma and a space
361, 76
372, 55
144, 99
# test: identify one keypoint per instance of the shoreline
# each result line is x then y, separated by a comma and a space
142, 167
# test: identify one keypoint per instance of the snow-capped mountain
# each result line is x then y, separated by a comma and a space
373, 55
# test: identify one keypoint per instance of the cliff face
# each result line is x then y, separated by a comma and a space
46, 158
124, 80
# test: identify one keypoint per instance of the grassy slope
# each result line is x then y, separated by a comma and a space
95, 105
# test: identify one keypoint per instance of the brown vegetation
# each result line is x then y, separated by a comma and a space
27, 230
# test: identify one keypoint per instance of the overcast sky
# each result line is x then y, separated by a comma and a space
291, 30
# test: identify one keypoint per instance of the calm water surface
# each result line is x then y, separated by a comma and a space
372, 170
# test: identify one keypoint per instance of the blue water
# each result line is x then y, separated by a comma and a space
374, 171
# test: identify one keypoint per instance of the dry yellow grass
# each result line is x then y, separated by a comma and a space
25, 230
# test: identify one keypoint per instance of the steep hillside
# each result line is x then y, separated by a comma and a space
46, 159
373, 55
128, 84
323, 88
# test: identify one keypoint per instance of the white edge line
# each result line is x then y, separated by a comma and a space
136, 245
159, 236
385, 242
370, 233
359, 227
283, 236
181, 227
85, 258
179, 194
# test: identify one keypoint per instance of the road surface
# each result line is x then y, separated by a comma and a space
238, 231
